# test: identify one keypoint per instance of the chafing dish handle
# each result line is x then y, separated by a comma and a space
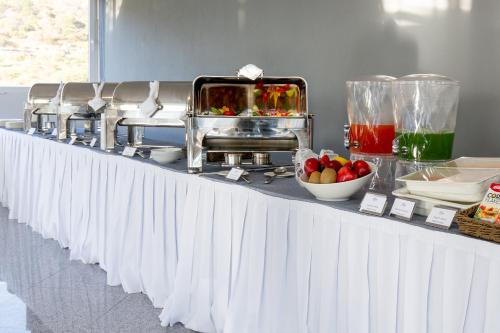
28, 118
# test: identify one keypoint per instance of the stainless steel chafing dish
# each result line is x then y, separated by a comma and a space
125, 110
75, 113
235, 119
39, 113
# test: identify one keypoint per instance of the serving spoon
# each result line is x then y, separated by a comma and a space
276, 172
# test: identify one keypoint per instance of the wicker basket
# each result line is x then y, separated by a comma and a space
475, 228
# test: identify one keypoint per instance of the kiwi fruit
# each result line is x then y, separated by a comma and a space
314, 178
328, 176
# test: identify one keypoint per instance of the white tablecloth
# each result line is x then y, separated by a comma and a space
222, 258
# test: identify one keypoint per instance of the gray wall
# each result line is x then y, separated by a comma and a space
325, 41
12, 101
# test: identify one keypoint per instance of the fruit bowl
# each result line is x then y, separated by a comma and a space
339, 191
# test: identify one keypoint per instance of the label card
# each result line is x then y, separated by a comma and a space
72, 141
441, 217
129, 151
31, 131
93, 142
235, 174
54, 132
373, 203
403, 208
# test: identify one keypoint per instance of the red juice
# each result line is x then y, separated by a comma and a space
372, 139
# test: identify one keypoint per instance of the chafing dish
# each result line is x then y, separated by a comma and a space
236, 115
41, 106
171, 106
75, 117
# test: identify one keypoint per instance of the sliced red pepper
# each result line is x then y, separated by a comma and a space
265, 96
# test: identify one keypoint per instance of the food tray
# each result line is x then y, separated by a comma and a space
476, 228
474, 163
451, 184
424, 205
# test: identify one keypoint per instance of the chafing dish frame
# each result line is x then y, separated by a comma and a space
120, 113
74, 106
291, 133
37, 109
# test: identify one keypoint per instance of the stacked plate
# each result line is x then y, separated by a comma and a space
460, 183
11, 123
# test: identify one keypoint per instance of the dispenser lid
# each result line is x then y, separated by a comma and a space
428, 78
373, 78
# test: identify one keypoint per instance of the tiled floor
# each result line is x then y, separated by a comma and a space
41, 290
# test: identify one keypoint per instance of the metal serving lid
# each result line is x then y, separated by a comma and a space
173, 99
42, 93
212, 93
80, 93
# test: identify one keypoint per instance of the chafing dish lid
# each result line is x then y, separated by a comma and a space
80, 93
172, 96
42, 93
246, 97
203, 79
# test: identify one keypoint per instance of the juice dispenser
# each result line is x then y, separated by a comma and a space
371, 121
425, 112
370, 132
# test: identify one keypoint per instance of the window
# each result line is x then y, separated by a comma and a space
44, 41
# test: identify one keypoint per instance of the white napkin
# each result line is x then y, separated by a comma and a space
250, 71
55, 101
97, 102
150, 105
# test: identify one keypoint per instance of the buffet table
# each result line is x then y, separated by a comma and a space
222, 257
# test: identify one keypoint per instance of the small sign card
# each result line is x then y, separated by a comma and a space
235, 174
441, 217
31, 131
54, 132
72, 141
403, 208
373, 203
129, 151
93, 142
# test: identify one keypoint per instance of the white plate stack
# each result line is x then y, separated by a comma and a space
11, 123
461, 183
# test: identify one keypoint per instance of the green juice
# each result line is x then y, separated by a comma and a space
425, 146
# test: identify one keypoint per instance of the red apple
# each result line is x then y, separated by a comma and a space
346, 174
361, 168
324, 160
334, 164
348, 164
311, 165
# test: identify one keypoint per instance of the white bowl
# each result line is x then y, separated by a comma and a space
339, 191
166, 155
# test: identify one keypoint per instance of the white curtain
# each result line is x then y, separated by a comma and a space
219, 257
